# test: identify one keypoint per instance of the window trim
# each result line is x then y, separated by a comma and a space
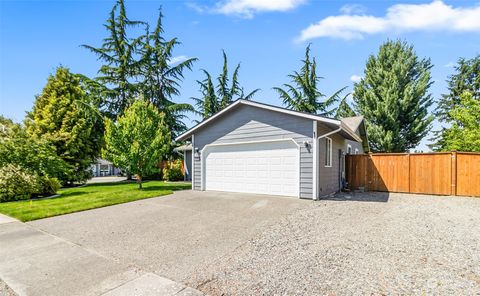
356, 151
349, 149
328, 145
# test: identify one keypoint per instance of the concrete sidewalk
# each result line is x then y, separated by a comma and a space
33, 262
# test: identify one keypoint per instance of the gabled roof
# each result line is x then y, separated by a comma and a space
353, 122
328, 121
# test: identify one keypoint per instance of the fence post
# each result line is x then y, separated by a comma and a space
409, 173
454, 173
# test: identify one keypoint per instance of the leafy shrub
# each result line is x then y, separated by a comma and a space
48, 186
17, 183
172, 171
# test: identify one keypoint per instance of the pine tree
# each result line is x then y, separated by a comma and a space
465, 81
303, 94
62, 115
119, 55
160, 79
394, 98
344, 109
216, 98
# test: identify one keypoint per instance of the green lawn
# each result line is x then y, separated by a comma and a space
87, 197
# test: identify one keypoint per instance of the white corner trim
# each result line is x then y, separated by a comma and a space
315, 162
193, 162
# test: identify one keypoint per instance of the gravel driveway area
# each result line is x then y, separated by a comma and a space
361, 244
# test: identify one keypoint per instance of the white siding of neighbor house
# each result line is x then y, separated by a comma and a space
245, 124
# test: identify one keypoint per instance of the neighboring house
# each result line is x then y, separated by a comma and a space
104, 168
257, 148
186, 152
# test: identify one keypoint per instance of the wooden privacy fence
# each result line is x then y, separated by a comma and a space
449, 173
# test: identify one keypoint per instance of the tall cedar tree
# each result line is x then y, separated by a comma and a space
64, 115
394, 99
303, 94
465, 80
138, 140
160, 79
344, 109
213, 98
118, 53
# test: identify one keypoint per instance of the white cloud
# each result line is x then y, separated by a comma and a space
178, 59
434, 16
355, 78
248, 8
353, 9
450, 65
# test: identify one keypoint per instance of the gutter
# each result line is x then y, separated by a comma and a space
330, 133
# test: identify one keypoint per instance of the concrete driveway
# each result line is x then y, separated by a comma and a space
170, 236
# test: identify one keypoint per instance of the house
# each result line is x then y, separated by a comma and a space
186, 152
253, 147
104, 168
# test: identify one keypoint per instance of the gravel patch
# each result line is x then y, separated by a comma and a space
365, 243
6, 290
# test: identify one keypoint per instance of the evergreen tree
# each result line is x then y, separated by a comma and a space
119, 55
303, 94
62, 115
160, 79
465, 82
216, 98
344, 109
138, 140
394, 99
466, 79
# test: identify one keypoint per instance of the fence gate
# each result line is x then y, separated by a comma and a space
449, 173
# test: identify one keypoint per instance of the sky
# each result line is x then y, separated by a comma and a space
267, 37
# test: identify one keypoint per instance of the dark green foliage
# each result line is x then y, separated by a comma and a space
303, 94
465, 79
67, 118
120, 64
344, 109
47, 186
457, 108
394, 98
172, 171
215, 98
160, 80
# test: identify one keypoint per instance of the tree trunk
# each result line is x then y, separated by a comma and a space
139, 181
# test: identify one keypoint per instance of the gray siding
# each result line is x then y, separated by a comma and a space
355, 145
188, 162
247, 123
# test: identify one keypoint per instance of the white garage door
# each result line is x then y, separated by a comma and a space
264, 168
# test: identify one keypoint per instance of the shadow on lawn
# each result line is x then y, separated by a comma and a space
166, 187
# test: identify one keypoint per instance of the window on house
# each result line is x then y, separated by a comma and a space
328, 152
356, 150
349, 149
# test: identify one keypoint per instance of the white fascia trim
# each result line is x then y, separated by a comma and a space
350, 132
259, 105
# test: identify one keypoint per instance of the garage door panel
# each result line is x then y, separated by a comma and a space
268, 168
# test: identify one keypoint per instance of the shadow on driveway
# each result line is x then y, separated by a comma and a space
360, 196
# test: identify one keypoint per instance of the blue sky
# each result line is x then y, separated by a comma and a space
267, 37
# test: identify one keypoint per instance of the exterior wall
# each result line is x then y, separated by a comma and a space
246, 124
188, 163
331, 178
355, 145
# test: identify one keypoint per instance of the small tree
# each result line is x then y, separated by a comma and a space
344, 109
138, 140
